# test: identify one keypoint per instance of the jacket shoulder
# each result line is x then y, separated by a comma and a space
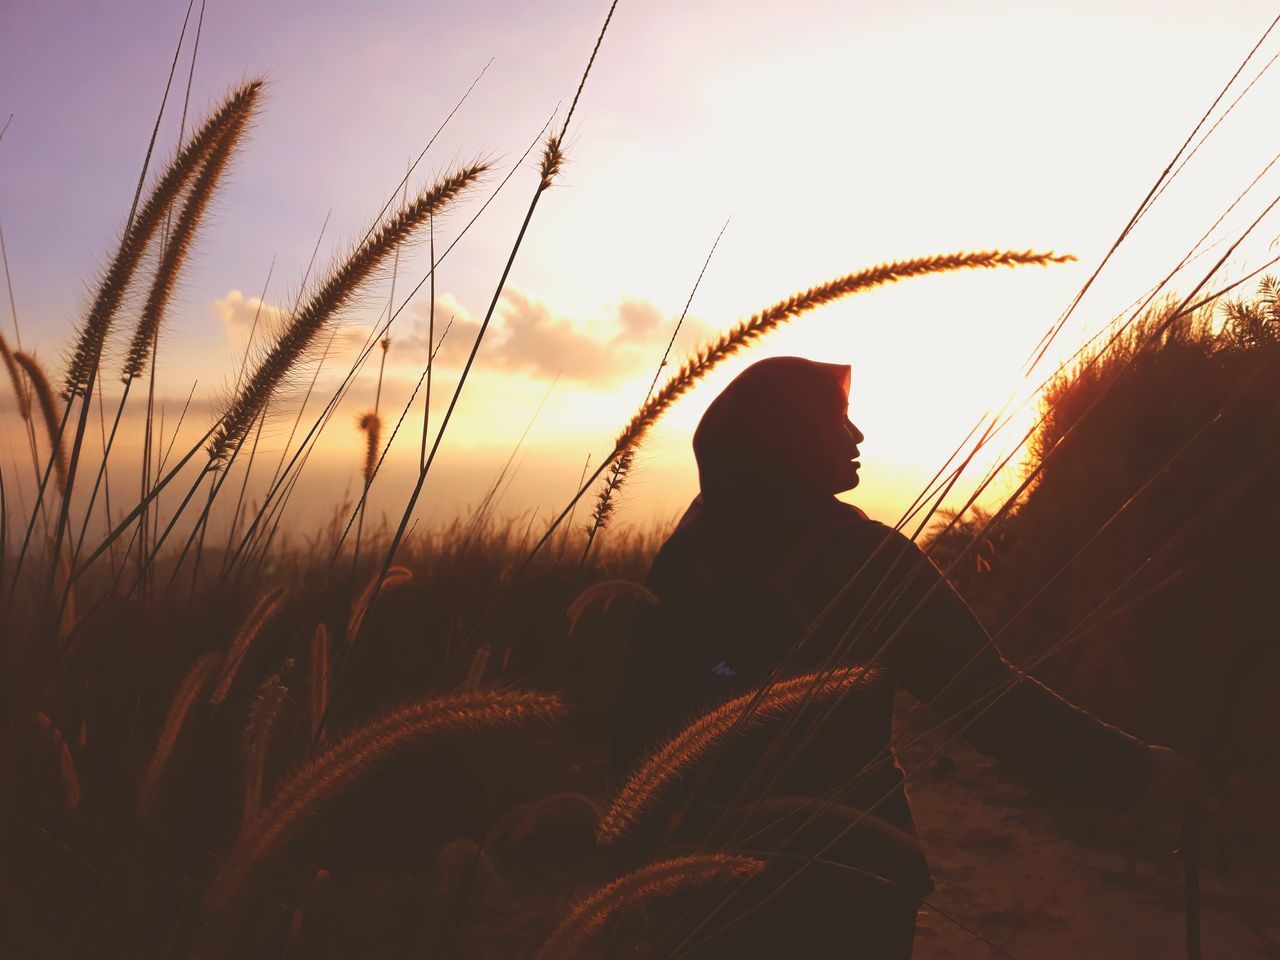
860, 543
855, 528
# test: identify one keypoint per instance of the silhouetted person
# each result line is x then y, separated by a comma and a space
759, 554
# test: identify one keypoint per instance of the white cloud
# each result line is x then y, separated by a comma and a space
526, 336
240, 316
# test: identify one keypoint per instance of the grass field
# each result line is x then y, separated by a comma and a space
225, 735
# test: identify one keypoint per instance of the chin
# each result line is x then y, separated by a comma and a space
847, 482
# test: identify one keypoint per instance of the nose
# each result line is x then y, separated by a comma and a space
854, 432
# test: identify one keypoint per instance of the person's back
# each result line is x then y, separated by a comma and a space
767, 577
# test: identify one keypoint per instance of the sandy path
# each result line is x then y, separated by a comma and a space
1046, 881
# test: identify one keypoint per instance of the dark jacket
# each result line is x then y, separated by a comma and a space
749, 570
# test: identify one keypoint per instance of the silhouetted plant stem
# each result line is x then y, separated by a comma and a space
299, 455
550, 163
337, 548
431, 338
244, 485
622, 466
140, 225
745, 332
221, 472
42, 394
83, 369
173, 522
491, 497
37, 510
15, 376
279, 480
1158, 330
262, 418
334, 295
281, 476
151, 495
102, 472
297, 303
336, 292
1156, 188
106, 479
160, 465
552, 159
274, 486
586, 463
372, 426
313, 434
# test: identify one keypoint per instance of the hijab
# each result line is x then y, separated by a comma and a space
770, 450
774, 436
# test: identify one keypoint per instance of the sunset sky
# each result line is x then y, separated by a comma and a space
834, 135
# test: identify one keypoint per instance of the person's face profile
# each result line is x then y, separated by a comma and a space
837, 439
847, 465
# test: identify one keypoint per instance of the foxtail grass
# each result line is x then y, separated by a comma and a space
183, 699
552, 161
692, 744
173, 255
302, 796
589, 917
82, 369
180, 241
262, 720
769, 319
262, 613
756, 326
370, 424
15, 377
393, 577
605, 592
48, 414
97, 323
606, 505
606, 501
335, 294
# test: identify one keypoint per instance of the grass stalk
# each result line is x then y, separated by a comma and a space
756, 326
333, 295
605, 506
700, 736
183, 699
299, 456
262, 720
43, 393
333, 770
552, 160
588, 918
264, 611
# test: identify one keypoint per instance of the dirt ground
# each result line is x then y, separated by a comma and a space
1038, 879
